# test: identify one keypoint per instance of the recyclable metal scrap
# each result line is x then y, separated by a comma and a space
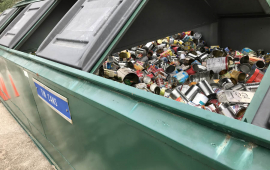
183, 68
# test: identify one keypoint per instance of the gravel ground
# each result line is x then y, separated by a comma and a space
17, 150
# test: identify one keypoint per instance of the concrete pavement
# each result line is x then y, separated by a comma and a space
17, 150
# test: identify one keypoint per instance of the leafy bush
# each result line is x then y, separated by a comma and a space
5, 4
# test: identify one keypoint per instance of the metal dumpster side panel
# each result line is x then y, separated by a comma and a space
224, 124
44, 145
133, 125
18, 88
98, 136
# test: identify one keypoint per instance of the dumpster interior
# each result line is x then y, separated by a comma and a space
232, 40
151, 61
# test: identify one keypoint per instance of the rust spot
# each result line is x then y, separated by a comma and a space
251, 146
37, 74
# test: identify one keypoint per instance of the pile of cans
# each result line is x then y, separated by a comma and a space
183, 68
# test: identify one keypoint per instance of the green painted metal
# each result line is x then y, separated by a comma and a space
257, 99
25, 101
250, 113
219, 122
119, 127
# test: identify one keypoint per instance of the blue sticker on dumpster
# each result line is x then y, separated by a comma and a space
56, 101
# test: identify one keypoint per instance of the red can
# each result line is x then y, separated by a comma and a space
191, 71
257, 76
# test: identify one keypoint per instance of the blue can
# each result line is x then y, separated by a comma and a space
246, 51
227, 50
181, 77
196, 62
165, 59
109, 65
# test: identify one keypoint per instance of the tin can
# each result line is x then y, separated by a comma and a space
110, 73
167, 93
255, 76
169, 69
179, 96
254, 59
259, 65
191, 71
211, 108
159, 82
226, 110
124, 54
141, 51
260, 52
218, 53
252, 86
146, 80
238, 87
197, 35
148, 46
246, 51
196, 62
128, 76
226, 83
181, 76
207, 89
245, 68
238, 55
267, 58
192, 92
224, 74
139, 65
166, 53
192, 55
217, 64
172, 80
141, 86
155, 89
204, 56
200, 99
240, 111
199, 68
244, 60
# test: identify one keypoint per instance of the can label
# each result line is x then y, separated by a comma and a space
238, 55
179, 99
239, 96
200, 99
139, 65
166, 54
181, 76
246, 51
217, 64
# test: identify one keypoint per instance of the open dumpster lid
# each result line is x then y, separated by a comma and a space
23, 23
6, 15
86, 31
84, 34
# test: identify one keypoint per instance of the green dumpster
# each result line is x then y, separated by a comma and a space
101, 124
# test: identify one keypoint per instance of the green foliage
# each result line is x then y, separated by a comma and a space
5, 4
